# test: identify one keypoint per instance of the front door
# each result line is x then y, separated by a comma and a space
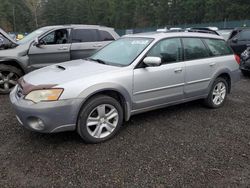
155, 86
53, 48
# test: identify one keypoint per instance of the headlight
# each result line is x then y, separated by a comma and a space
44, 95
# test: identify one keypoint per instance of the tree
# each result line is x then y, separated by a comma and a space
34, 6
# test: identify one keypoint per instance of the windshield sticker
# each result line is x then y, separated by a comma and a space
141, 42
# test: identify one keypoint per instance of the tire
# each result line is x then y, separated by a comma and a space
210, 101
8, 78
245, 73
95, 119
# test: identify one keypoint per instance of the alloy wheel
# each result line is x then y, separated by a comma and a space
219, 93
8, 80
102, 121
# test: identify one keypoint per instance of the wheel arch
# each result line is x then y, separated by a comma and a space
117, 92
227, 77
222, 74
14, 63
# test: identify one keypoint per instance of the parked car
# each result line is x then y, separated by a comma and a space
47, 46
245, 62
134, 74
239, 39
19, 37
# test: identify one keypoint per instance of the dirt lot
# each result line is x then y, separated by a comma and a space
186, 145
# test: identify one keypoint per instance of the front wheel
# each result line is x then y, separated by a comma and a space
218, 94
8, 78
100, 119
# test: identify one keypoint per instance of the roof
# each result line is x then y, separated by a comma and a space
160, 35
77, 26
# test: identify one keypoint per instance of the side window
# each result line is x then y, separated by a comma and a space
55, 37
244, 35
169, 50
218, 47
85, 35
105, 36
194, 48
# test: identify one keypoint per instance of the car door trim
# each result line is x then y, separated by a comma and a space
198, 81
158, 89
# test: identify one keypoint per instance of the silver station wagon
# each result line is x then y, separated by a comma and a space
134, 74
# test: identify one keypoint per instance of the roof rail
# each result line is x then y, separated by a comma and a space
202, 30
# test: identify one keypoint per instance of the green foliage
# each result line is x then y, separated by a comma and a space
26, 15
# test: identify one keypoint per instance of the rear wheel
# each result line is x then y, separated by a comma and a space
100, 119
8, 78
218, 94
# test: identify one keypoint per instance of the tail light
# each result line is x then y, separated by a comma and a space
237, 58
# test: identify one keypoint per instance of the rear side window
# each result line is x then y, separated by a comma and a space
105, 36
218, 47
85, 35
244, 35
194, 48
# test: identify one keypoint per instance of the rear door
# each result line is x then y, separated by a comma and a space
85, 42
199, 67
53, 48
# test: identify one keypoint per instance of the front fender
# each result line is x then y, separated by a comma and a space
90, 91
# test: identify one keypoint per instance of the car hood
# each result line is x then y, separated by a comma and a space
67, 72
7, 37
18, 51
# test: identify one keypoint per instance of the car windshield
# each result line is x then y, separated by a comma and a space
32, 35
122, 52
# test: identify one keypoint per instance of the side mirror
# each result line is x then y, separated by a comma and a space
235, 40
152, 61
36, 42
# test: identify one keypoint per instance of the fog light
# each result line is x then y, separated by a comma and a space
36, 123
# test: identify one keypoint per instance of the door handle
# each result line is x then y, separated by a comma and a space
63, 48
212, 64
178, 70
97, 45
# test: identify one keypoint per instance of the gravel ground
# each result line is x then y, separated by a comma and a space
181, 146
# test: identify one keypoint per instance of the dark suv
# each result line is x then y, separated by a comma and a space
239, 39
47, 46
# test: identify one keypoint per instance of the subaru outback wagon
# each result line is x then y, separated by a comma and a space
47, 46
134, 74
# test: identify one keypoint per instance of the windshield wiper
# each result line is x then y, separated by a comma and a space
97, 60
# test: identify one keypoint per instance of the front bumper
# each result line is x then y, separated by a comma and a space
46, 117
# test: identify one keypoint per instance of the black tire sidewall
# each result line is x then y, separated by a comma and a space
87, 109
209, 100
